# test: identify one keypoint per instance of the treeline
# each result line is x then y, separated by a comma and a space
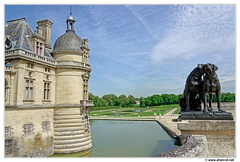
167, 99
154, 100
225, 97
112, 100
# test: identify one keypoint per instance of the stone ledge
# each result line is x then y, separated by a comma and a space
195, 146
196, 115
220, 135
207, 125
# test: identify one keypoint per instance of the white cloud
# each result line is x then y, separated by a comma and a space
198, 30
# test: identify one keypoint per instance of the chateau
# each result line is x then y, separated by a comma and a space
46, 92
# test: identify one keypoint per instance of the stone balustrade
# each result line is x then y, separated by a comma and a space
45, 59
29, 55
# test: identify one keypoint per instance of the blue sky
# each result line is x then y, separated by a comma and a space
143, 50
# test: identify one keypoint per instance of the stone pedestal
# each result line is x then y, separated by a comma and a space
220, 135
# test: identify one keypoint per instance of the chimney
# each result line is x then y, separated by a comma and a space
46, 26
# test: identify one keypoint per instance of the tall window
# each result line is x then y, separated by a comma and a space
6, 90
86, 124
39, 48
28, 128
29, 90
8, 146
46, 91
85, 78
46, 125
85, 89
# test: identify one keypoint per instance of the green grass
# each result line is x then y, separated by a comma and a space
130, 112
177, 111
135, 107
167, 106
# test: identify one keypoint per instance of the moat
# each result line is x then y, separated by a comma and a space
113, 138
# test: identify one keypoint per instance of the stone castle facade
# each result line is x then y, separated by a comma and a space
46, 93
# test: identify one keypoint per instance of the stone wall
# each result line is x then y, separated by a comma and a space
39, 142
69, 86
220, 135
37, 74
195, 146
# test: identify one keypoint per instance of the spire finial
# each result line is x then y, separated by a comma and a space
70, 21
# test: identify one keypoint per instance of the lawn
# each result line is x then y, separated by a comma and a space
130, 112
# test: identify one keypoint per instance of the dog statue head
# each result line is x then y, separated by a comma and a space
210, 69
199, 69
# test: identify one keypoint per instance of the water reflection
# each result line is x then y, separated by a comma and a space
126, 139
113, 138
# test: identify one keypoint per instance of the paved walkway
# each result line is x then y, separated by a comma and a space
166, 122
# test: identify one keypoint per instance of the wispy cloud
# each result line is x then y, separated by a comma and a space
198, 30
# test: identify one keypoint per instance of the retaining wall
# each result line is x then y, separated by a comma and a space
195, 146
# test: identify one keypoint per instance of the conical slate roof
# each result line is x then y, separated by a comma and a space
68, 42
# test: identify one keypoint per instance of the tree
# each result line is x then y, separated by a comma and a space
228, 97
148, 101
123, 100
131, 100
155, 100
110, 99
142, 102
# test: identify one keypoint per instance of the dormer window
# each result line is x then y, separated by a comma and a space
39, 48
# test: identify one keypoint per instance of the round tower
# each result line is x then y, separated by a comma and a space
71, 124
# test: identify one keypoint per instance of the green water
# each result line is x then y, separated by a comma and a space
126, 139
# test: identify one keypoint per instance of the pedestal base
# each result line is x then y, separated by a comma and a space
220, 135
196, 115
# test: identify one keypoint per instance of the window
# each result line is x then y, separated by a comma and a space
6, 90
46, 125
85, 89
39, 48
86, 123
8, 146
8, 132
47, 69
29, 65
28, 90
46, 91
28, 128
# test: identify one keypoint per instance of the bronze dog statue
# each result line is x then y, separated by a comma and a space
210, 85
192, 88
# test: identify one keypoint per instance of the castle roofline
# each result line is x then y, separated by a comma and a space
17, 20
